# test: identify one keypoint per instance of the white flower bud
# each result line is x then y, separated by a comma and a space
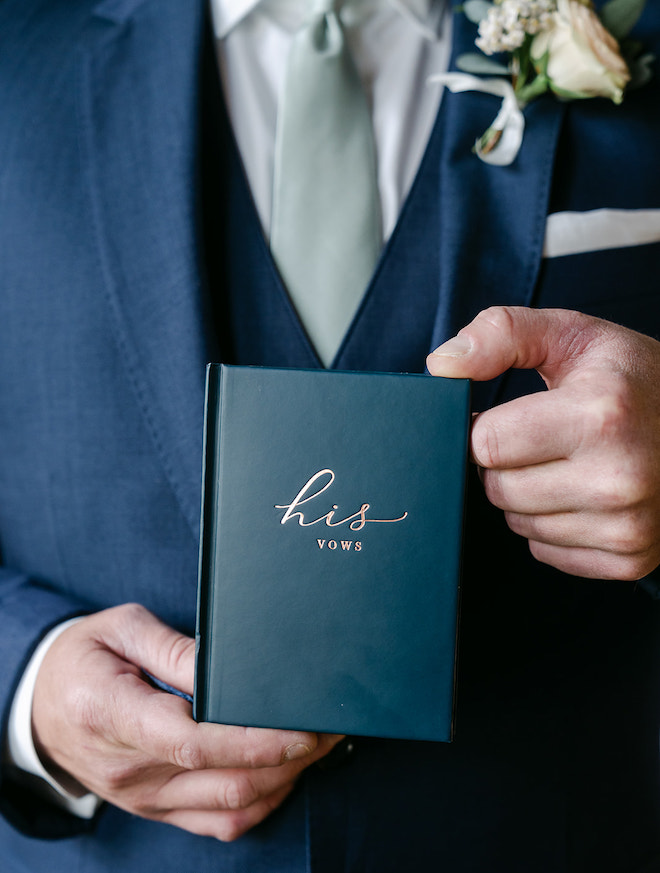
583, 58
508, 22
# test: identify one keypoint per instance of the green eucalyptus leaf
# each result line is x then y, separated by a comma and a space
480, 65
620, 16
475, 10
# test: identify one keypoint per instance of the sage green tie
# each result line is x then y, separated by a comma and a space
325, 232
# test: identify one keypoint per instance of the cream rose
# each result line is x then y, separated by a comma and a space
583, 58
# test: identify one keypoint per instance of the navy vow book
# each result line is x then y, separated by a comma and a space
330, 551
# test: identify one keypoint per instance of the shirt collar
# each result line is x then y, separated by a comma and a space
426, 14
228, 14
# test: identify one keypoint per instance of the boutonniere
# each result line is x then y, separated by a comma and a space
562, 46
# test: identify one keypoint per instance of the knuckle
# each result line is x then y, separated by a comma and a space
254, 758
237, 792
634, 568
130, 618
538, 551
520, 524
494, 489
499, 317
230, 828
187, 756
130, 613
178, 651
486, 446
633, 536
504, 323
624, 489
261, 751
257, 757
623, 543
607, 414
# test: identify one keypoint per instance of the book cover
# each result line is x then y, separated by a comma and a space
330, 551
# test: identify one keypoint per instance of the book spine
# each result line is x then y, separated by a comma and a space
206, 541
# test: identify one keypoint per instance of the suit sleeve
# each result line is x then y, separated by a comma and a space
29, 609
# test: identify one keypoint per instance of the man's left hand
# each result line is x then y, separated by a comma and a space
576, 469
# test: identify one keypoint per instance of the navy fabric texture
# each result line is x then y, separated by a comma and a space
122, 274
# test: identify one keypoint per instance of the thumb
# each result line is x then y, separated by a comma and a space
137, 636
549, 340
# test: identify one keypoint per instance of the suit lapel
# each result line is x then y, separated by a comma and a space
139, 124
492, 219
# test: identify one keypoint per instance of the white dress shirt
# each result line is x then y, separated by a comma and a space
396, 46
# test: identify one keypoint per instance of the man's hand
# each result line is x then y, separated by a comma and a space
97, 718
576, 469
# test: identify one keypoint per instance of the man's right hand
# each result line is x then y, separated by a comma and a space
96, 718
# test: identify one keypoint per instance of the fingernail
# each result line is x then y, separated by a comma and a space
297, 750
456, 347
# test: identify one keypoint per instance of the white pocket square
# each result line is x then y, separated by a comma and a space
572, 233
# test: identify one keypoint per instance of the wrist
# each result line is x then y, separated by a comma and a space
20, 750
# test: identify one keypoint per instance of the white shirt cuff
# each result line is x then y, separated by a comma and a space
20, 748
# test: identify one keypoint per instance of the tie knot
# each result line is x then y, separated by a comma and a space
325, 27
325, 7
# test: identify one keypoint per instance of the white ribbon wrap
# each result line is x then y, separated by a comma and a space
509, 122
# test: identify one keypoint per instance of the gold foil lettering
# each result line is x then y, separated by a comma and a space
356, 521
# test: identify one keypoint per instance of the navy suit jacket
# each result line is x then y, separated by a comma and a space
105, 331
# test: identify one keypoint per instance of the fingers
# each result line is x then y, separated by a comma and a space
161, 726
571, 487
136, 635
226, 825
608, 537
594, 528
607, 510
160, 763
220, 803
576, 468
95, 705
525, 431
587, 529
550, 340
136, 715
594, 563
212, 790
229, 746
597, 411
98, 720
231, 789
